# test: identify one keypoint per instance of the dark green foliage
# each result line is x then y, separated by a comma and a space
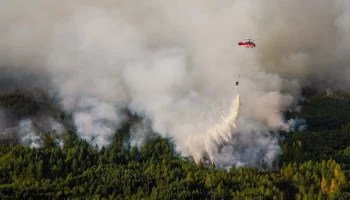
325, 112
328, 137
83, 172
19, 104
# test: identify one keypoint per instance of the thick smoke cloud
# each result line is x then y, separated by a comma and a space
307, 40
176, 63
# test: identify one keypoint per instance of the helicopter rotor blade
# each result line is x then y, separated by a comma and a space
251, 39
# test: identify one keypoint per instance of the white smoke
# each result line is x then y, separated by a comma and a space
176, 64
29, 136
96, 121
297, 124
32, 131
140, 133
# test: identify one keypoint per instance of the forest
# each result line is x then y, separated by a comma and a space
315, 163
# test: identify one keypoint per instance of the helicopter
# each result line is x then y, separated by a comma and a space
248, 44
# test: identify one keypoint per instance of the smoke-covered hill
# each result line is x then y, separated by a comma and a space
51, 164
175, 64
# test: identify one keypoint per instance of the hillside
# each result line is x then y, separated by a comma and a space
315, 163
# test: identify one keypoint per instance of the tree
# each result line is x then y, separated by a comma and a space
333, 188
75, 165
324, 186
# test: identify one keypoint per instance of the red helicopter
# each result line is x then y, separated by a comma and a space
248, 44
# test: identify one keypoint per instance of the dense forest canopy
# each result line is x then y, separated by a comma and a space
314, 165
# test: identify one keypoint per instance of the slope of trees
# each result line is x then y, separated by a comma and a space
153, 172
315, 165
328, 137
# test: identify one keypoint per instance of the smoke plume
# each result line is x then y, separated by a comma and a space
31, 132
176, 62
